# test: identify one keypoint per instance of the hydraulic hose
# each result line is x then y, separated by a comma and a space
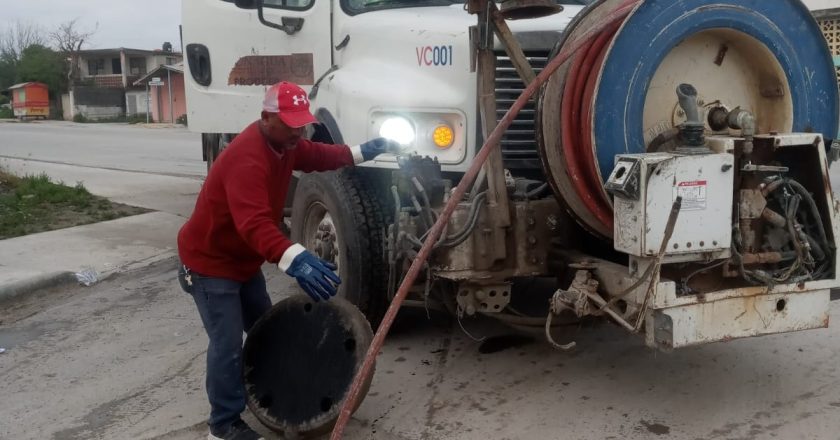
815, 212
576, 121
610, 20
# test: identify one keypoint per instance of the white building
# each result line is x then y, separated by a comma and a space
106, 86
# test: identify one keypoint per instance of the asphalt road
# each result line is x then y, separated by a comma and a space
165, 151
155, 168
124, 359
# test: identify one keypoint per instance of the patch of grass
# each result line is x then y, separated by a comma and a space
32, 204
139, 118
111, 120
6, 113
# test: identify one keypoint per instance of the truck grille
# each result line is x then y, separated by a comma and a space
519, 146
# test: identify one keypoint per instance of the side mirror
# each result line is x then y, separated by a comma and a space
248, 4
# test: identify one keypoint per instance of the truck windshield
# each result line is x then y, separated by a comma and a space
360, 6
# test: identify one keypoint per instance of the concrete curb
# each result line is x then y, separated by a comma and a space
140, 264
15, 289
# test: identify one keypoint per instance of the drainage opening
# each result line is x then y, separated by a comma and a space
780, 305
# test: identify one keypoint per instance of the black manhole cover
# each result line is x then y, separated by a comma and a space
299, 361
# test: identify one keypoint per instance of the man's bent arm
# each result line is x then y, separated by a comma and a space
315, 156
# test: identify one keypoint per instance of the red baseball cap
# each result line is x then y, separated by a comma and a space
291, 104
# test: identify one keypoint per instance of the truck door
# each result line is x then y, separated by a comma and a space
231, 56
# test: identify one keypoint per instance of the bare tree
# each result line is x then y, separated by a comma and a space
17, 37
69, 39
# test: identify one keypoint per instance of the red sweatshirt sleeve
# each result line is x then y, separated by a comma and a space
248, 200
314, 156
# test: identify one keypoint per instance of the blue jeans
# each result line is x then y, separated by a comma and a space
227, 308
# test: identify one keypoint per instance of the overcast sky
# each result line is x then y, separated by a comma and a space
142, 24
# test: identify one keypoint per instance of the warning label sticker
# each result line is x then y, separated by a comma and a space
693, 195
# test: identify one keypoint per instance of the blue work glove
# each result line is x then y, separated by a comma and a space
315, 276
375, 147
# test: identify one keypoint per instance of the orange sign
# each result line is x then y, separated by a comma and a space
31, 111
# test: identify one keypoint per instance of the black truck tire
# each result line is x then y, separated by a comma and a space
340, 208
210, 148
213, 144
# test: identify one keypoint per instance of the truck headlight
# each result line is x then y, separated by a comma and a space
437, 133
398, 129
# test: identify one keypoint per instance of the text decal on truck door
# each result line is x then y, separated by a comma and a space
434, 56
264, 70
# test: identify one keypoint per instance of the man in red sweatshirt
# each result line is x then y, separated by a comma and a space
234, 230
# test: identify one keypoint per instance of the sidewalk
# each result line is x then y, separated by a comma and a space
51, 258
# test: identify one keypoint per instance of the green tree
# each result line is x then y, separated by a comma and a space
8, 73
42, 64
17, 36
14, 38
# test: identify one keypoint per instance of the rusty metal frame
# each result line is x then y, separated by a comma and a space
497, 200
491, 22
511, 45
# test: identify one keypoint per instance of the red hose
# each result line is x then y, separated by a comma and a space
587, 129
492, 142
576, 123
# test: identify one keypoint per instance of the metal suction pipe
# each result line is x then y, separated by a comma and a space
687, 95
693, 131
743, 120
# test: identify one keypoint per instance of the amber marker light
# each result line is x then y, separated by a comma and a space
443, 136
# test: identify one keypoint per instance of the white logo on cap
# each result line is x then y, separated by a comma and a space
300, 99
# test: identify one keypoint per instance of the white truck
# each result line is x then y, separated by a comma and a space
712, 105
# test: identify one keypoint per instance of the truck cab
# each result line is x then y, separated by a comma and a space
371, 67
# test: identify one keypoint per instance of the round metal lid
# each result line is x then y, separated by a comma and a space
299, 361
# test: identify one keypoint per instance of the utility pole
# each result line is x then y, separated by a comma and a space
169, 84
148, 102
